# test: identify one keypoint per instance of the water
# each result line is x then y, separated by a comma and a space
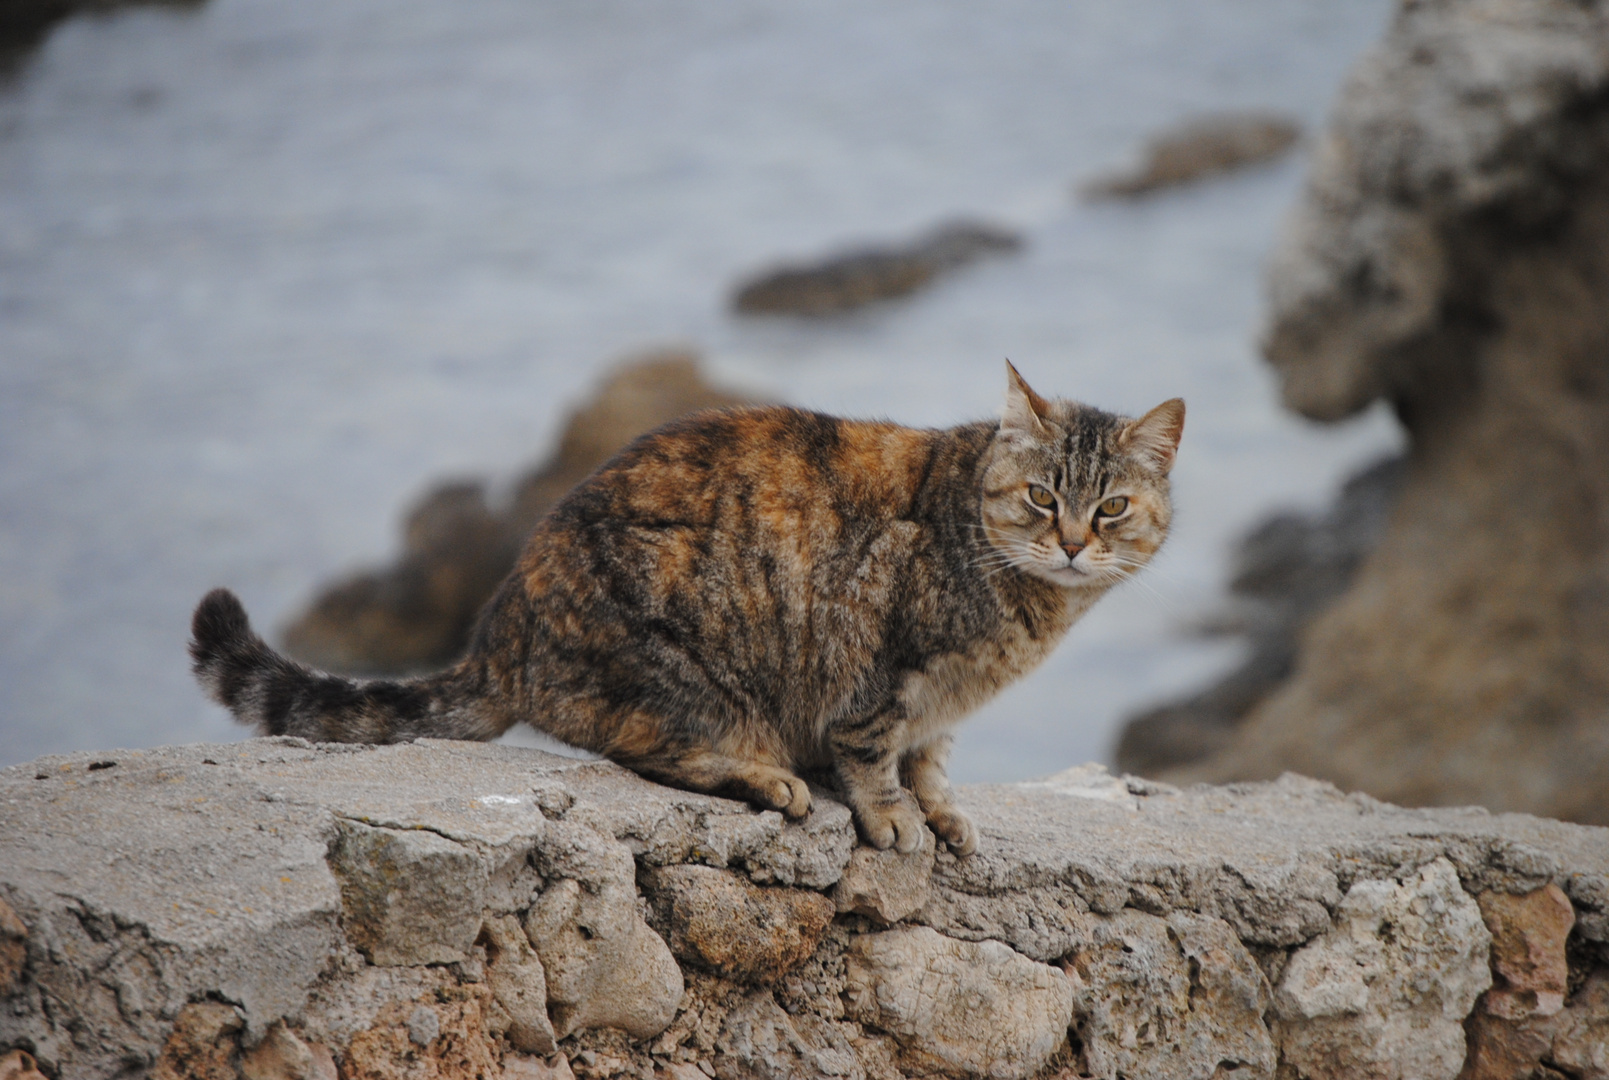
268, 269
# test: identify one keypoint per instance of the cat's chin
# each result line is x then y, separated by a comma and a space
1068, 577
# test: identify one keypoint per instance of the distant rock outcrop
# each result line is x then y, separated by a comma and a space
1451, 256
1201, 148
464, 911
24, 24
862, 276
1288, 570
417, 614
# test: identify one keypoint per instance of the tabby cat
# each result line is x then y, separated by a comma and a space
746, 594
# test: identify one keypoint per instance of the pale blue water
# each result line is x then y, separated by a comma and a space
268, 269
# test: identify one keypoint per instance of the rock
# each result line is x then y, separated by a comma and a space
203, 1045
1528, 957
1169, 998
462, 1049
25, 24
1284, 573
245, 837
556, 1067
886, 885
409, 896
283, 1056
417, 614
1451, 258
1385, 992
519, 986
740, 931
761, 1042
957, 1007
1201, 148
13, 950
863, 276
19, 1065
605, 967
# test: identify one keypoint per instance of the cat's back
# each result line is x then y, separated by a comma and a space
765, 465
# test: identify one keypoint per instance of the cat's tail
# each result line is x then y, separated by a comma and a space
278, 696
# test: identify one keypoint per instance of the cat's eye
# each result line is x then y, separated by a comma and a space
1040, 496
1112, 507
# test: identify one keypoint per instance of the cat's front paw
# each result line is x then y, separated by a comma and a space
891, 825
955, 829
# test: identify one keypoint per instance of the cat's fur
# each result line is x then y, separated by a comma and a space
745, 594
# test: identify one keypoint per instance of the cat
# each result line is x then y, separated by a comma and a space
745, 594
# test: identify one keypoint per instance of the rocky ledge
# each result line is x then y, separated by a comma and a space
278, 909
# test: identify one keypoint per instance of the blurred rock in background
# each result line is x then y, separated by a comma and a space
856, 278
417, 614
1451, 257
24, 24
1198, 149
1288, 570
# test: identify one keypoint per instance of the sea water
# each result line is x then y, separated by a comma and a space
270, 268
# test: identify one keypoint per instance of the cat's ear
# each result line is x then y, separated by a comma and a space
1155, 436
1025, 410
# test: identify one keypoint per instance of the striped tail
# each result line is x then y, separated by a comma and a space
278, 696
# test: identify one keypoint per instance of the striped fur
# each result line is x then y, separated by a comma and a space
744, 595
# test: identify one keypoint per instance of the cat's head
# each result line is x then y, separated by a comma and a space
1074, 495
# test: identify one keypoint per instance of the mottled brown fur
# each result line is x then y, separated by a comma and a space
747, 594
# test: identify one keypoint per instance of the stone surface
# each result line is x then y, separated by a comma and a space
1156, 912
1385, 992
604, 966
1164, 998
19, 1065
519, 986
886, 885
1451, 258
456, 548
956, 1007
1198, 149
863, 276
13, 948
408, 896
761, 1042
1528, 951
727, 925
283, 1056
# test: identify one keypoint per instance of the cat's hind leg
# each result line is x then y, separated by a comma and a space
923, 770
701, 768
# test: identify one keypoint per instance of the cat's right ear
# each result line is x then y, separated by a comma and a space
1025, 410
1155, 436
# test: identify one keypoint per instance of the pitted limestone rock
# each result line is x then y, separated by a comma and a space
759, 1041
1385, 992
962, 1008
1173, 999
409, 896
605, 967
742, 931
13, 949
886, 885
518, 985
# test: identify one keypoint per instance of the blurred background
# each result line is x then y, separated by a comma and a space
271, 272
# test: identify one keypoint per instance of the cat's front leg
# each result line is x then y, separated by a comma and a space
924, 773
868, 771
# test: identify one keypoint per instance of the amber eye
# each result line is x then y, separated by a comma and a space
1041, 496
1112, 507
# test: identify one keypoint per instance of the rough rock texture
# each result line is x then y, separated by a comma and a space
417, 614
455, 910
1286, 572
1451, 256
857, 278
1197, 149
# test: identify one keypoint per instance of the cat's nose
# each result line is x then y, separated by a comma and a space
1072, 550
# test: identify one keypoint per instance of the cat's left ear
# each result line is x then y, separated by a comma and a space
1155, 436
1025, 410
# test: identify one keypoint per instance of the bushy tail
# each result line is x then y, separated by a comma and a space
278, 696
